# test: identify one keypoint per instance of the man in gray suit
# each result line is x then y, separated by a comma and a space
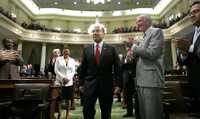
149, 69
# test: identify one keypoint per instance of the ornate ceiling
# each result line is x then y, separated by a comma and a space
83, 5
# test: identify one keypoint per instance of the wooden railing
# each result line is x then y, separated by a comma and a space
177, 94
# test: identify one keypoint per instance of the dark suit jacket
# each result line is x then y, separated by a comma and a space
103, 73
192, 62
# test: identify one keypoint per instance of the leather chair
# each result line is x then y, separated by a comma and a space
31, 101
6, 96
4, 109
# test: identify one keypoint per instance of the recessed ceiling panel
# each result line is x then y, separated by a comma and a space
83, 5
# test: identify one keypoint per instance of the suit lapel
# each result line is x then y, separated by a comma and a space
147, 38
92, 53
196, 45
102, 52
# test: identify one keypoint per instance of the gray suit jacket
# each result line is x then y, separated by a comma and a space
150, 65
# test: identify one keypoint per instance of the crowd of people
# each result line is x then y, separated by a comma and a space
162, 25
139, 74
8, 15
39, 27
124, 29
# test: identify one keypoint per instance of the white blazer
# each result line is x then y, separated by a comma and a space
64, 71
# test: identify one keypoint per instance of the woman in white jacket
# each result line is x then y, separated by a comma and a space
65, 70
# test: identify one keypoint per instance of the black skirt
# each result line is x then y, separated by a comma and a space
67, 92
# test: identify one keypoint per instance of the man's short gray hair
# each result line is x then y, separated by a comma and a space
148, 18
91, 27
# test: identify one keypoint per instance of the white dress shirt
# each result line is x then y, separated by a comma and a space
100, 46
195, 37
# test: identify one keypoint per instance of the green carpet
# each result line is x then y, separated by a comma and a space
117, 111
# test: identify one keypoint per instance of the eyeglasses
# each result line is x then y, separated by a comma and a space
194, 12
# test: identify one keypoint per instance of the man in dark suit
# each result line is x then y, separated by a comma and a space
128, 69
189, 54
99, 64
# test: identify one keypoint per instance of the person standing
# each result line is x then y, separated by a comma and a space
51, 72
189, 55
128, 79
149, 69
99, 66
129, 73
65, 70
10, 59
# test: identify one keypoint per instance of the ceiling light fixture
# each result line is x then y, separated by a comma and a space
97, 1
55, 3
75, 3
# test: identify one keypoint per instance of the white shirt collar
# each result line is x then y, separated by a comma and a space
197, 29
100, 44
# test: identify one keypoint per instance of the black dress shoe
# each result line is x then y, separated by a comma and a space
128, 115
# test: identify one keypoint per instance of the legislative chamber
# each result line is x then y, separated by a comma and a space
42, 28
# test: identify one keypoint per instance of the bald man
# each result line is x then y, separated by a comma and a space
149, 69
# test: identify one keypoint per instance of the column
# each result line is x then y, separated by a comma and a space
66, 46
43, 57
174, 56
19, 47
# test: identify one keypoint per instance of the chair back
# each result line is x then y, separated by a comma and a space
32, 91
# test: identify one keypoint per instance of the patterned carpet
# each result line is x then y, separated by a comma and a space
117, 111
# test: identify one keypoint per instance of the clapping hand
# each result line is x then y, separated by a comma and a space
116, 90
182, 43
129, 53
10, 55
81, 89
65, 80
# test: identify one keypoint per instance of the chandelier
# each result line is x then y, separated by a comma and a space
97, 1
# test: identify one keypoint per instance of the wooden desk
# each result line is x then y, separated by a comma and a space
177, 89
175, 78
9, 85
55, 92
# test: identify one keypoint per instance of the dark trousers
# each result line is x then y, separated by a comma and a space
92, 92
196, 95
137, 113
130, 93
81, 99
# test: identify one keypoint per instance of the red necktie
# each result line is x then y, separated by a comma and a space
97, 54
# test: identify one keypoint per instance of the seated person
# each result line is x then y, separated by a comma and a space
9, 60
